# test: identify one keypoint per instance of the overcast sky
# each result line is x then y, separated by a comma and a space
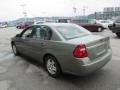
12, 9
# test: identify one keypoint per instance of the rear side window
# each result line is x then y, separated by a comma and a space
72, 31
42, 32
48, 32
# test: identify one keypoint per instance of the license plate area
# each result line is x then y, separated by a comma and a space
100, 49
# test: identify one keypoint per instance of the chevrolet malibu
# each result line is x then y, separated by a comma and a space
63, 48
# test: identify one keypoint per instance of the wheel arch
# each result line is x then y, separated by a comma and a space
101, 27
48, 54
12, 42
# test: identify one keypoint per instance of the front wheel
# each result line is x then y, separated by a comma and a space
52, 66
118, 35
16, 53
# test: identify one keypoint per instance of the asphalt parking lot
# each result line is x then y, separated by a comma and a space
20, 73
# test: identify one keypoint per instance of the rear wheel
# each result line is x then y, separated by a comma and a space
99, 29
52, 66
15, 51
118, 35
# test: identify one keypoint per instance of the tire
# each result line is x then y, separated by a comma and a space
15, 51
52, 66
100, 29
118, 35
18, 27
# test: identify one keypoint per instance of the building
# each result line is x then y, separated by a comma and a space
108, 13
96, 15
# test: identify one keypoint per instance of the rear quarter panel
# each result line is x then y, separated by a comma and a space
62, 51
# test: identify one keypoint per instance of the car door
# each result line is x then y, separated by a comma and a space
39, 42
22, 42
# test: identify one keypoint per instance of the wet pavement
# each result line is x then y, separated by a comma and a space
21, 73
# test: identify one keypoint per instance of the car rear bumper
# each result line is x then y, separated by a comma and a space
82, 70
115, 30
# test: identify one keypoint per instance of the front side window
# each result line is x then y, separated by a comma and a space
27, 33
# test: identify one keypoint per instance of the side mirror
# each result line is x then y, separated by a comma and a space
114, 25
18, 35
28, 35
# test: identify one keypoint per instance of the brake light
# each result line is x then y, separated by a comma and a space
80, 51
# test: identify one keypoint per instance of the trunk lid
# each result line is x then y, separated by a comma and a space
96, 45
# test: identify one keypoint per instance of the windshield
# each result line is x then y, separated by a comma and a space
117, 20
72, 31
104, 21
91, 21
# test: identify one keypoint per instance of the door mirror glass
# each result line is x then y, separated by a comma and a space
114, 24
18, 35
28, 36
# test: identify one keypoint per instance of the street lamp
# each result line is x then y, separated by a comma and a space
84, 10
73, 7
24, 11
74, 10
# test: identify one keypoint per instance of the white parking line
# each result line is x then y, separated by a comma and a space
118, 89
6, 57
3, 69
115, 58
5, 85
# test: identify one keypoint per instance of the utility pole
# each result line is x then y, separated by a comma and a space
84, 10
24, 12
95, 15
74, 10
74, 7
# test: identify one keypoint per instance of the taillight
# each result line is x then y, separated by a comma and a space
80, 51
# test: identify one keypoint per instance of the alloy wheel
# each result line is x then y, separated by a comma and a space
51, 66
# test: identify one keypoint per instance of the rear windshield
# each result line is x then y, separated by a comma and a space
72, 31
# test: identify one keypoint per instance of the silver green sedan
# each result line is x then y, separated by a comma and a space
63, 48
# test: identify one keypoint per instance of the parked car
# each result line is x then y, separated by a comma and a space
92, 26
24, 25
105, 23
63, 48
115, 27
39, 22
19, 26
3, 25
63, 21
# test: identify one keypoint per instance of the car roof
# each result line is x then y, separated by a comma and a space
56, 24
